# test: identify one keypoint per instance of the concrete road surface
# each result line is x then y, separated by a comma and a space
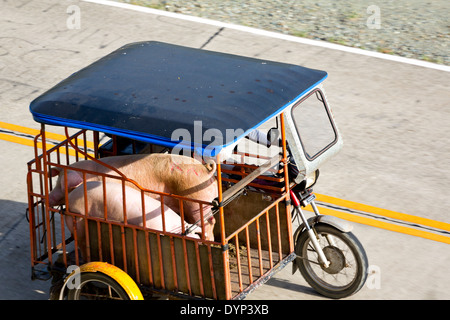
394, 117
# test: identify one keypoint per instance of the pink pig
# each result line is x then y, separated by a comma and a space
173, 174
114, 205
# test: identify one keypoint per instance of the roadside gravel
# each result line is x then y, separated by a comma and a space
416, 29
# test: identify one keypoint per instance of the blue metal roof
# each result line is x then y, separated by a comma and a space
147, 90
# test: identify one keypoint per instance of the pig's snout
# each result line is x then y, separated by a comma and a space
194, 231
57, 196
54, 198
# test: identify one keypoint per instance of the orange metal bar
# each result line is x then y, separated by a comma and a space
111, 243
96, 142
238, 260
144, 220
203, 237
163, 213
63, 237
76, 149
67, 154
31, 211
85, 145
86, 213
105, 207
249, 256
199, 270
124, 249
269, 239
277, 216
99, 240
250, 155
211, 270
186, 266
124, 200
41, 207
149, 258
257, 185
258, 237
75, 239
180, 204
286, 180
262, 177
223, 240
46, 192
36, 152
161, 267
174, 264
58, 156
136, 259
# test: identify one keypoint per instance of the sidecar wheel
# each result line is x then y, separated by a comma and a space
100, 281
97, 286
347, 272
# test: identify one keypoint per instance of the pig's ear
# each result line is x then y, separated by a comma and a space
73, 180
54, 171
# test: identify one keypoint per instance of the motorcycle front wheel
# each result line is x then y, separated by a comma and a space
347, 271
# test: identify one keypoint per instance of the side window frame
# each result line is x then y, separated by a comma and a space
316, 91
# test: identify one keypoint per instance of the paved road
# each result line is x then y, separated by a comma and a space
394, 118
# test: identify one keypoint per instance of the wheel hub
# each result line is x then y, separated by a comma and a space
336, 259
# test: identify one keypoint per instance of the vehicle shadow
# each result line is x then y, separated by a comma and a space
295, 287
15, 265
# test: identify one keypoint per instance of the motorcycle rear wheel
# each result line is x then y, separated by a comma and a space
347, 272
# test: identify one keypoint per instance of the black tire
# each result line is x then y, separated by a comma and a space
348, 268
97, 286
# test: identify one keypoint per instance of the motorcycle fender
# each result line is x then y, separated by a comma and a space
341, 225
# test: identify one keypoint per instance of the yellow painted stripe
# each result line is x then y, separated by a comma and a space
30, 143
19, 140
31, 131
34, 132
383, 225
384, 212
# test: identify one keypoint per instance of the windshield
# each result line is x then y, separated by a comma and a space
314, 125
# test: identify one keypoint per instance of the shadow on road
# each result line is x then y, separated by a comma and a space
15, 265
296, 288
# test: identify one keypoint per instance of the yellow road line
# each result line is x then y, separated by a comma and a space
30, 143
19, 140
34, 132
384, 225
384, 212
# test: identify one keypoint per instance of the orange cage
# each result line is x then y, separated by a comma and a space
252, 236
